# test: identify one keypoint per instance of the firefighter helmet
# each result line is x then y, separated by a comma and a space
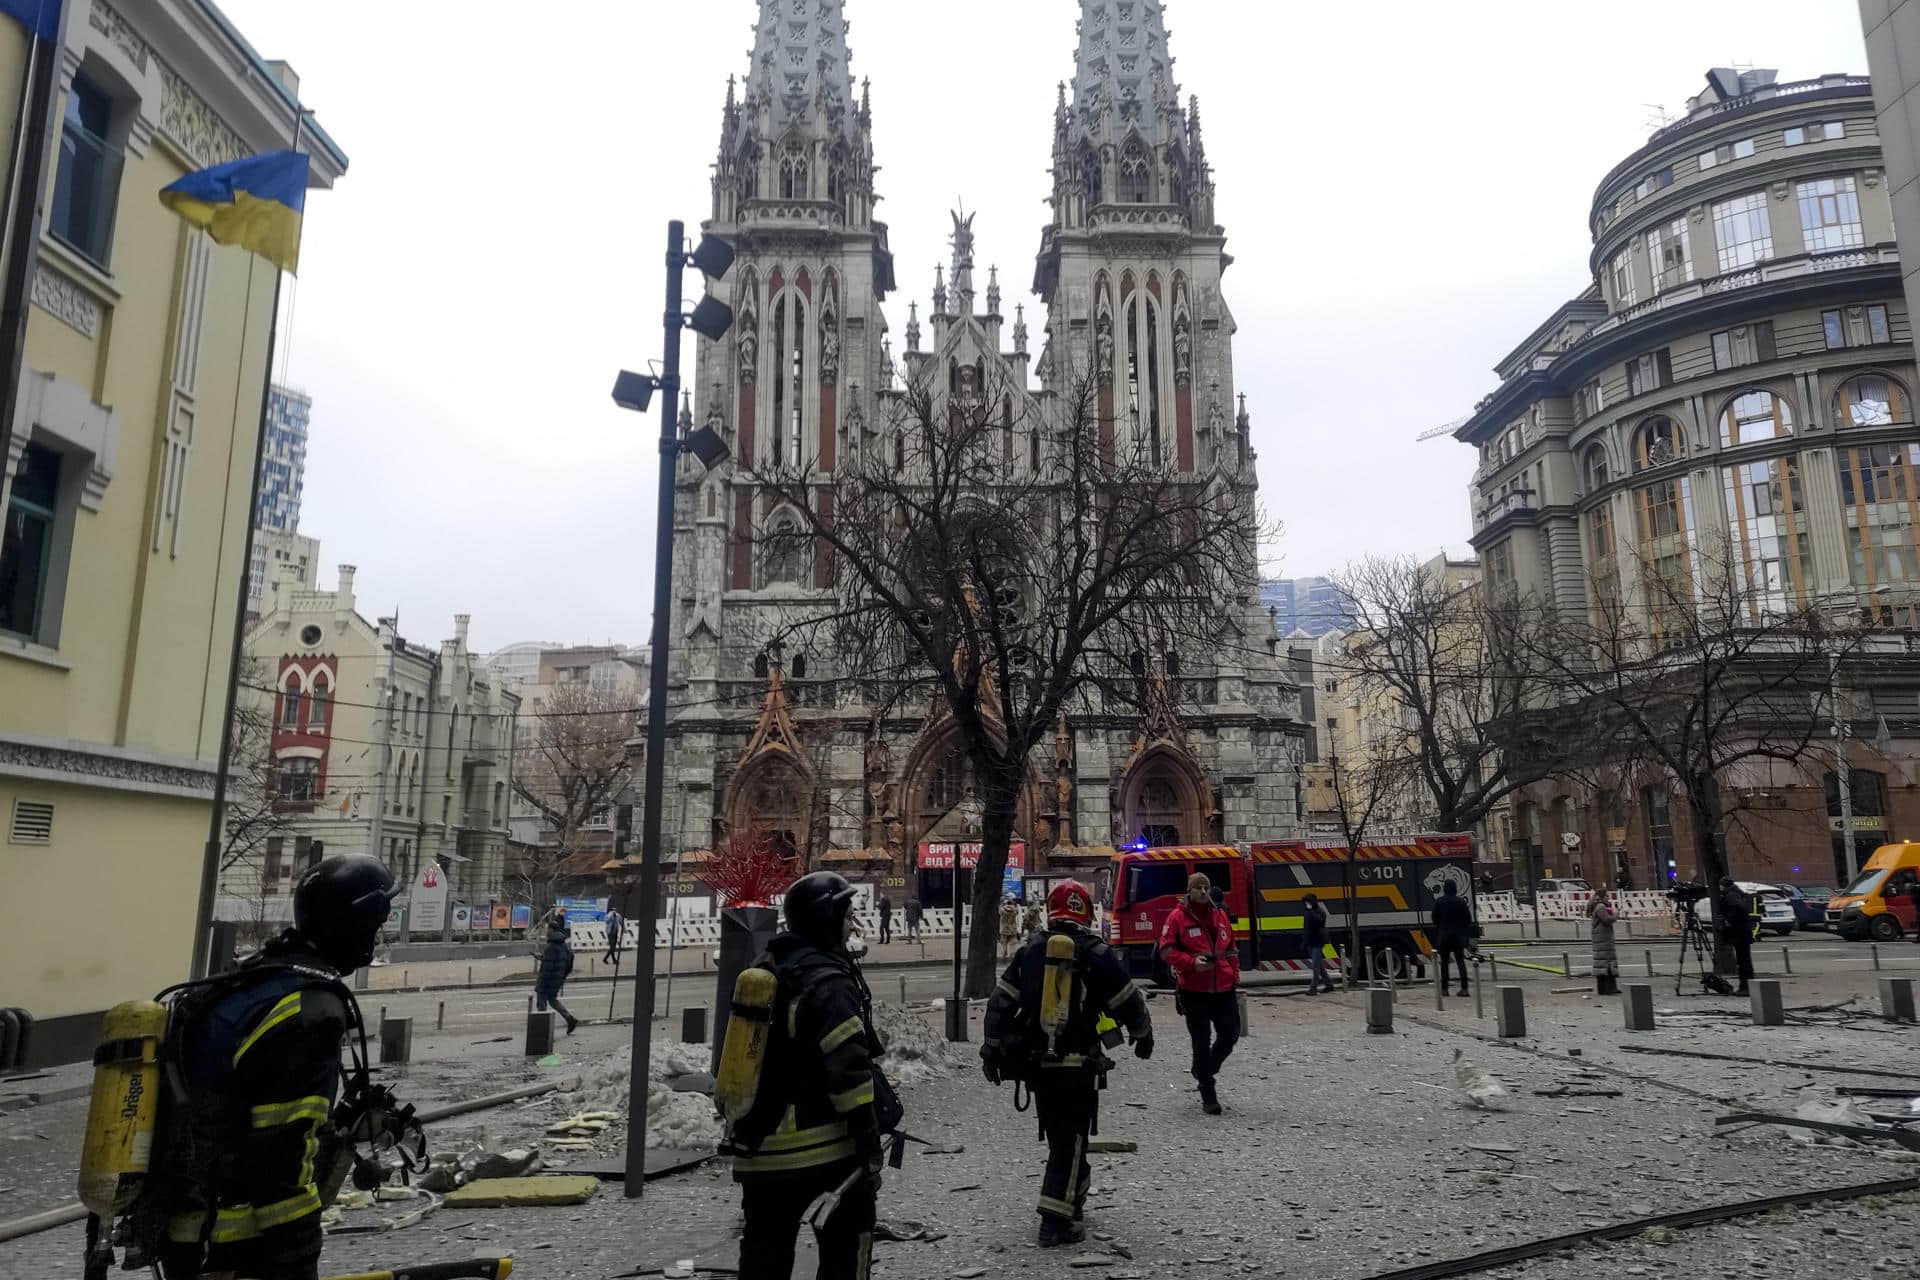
816, 907
340, 904
1071, 900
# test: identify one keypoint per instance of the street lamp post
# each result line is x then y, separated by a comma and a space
711, 319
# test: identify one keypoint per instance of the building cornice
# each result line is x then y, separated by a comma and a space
88, 764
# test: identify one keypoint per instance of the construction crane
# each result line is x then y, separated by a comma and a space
1445, 429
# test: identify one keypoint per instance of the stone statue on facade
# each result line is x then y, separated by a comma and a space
1182, 348
1103, 345
749, 345
829, 342
963, 254
880, 776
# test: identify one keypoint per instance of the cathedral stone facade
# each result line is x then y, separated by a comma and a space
1129, 290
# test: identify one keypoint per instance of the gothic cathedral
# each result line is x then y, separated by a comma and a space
1129, 285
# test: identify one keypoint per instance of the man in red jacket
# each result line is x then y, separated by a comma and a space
1198, 945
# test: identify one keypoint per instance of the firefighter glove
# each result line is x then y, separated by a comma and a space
1143, 1048
990, 1066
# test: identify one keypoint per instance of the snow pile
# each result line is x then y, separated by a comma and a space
681, 1120
916, 1051
1477, 1085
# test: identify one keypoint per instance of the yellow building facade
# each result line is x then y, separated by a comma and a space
125, 490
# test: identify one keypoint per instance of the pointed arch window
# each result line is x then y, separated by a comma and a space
793, 175
1177, 183
1153, 380
789, 339
317, 710
290, 702
1872, 400
1755, 415
750, 173
1090, 177
1136, 175
786, 551
837, 190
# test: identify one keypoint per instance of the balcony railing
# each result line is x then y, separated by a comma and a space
1506, 504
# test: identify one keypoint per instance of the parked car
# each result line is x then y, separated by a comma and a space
1773, 908
1564, 884
1809, 903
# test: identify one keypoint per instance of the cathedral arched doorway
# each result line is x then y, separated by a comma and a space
773, 797
942, 806
1164, 801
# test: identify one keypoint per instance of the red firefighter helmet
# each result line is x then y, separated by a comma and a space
1071, 900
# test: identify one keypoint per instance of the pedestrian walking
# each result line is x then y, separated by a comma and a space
1453, 931
556, 965
915, 914
1314, 921
1033, 919
886, 918
1043, 1029
1197, 944
822, 1103
1009, 925
1623, 879
1733, 916
616, 935
1606, 958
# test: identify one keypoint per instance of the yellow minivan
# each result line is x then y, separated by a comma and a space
1879, 902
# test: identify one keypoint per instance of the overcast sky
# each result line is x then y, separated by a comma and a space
1404, 186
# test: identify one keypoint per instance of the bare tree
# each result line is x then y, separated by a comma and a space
1705, 669
1358, 795
577, 768
1011, 568
1454, 678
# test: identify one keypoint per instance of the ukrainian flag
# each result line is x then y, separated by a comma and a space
255, 203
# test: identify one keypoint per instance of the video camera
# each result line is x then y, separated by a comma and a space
1685, 895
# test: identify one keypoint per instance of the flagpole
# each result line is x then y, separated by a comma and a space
25, 194
210, 861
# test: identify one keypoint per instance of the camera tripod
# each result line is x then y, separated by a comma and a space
1695, 938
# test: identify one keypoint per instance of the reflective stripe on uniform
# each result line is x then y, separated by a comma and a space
1007, 989
281, 1212
859, 1096
287, 1008
833, 1153
273, 1114
794, 1139
1065, 1060
1058, 1208
841, 1034
1123, 995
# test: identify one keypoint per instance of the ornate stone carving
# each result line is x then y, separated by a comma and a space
65, 300
195, 127
829, 342
880, 776
108, 22
80, 766
1182, 348
749, 345
1103, 344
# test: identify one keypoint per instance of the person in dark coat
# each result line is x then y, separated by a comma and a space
886, 918
1733, 913
1453, 930
1314, 922
556, 964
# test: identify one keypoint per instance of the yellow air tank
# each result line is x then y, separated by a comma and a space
118, 1144
745, 1052
1056, 986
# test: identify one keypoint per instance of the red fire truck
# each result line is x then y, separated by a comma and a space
1395, 886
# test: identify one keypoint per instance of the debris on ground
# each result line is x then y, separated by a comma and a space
419, 1202
1111, 1145
597, 1106
549, 1189
904, 1231
1476, 1084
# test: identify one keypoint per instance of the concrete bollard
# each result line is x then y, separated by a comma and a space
396, 1039
1786, 960
406, 979
903, 988
1875, 947
1439, 993
1510, 1012
1764, 997
540, 1033
1896, 999
469, 975
1493, 966
693, 1024
440, 1019
1479, 989
1639, 1006
1649, 956
1379, 1011
1566, 964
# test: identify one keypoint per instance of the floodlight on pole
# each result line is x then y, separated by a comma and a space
711, 319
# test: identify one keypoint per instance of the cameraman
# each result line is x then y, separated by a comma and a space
1732, 914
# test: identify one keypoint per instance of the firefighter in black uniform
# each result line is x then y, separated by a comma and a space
260, 1062
1056, 1047
822, 1080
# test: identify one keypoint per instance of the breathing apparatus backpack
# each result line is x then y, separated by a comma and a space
146, 1155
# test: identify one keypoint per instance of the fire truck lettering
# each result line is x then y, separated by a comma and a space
1383, 871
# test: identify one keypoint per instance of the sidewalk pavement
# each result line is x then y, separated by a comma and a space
1341, 1154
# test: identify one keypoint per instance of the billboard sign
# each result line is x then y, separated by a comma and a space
427, 908
938, 855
